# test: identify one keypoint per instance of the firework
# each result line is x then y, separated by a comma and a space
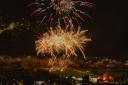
59, 40
60, 10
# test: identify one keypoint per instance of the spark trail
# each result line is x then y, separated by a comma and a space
59, 10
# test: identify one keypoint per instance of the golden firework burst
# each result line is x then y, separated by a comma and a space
59, 40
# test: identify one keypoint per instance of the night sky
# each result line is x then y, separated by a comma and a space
107, 28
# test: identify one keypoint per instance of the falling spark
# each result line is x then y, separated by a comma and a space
58, 63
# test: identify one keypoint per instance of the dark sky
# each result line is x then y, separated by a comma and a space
108, 29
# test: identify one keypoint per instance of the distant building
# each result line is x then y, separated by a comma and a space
93, 79
39, 83
126, 63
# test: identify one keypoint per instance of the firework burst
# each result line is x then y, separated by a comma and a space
59, 40
60, 10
